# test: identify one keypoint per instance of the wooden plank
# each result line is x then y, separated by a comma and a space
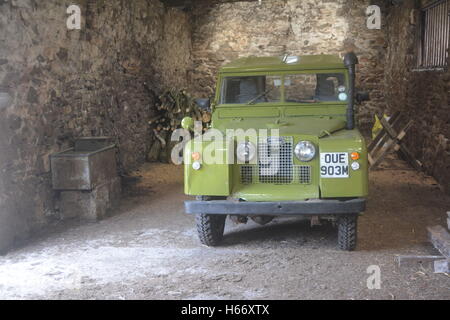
371, 161
400, 147
383, 136
404, 261
391, 144
380, 158
448, 220
382, 132
385, 139
388, 127
404, 151
440, 238
442, 266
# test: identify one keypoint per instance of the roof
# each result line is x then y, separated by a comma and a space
254, 64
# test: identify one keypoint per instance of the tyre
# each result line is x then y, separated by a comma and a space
210, 228
347, 232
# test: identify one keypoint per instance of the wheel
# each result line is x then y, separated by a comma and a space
347, 232
210, 228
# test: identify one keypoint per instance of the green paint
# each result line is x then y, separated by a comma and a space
322, 123
211, 179
275, 64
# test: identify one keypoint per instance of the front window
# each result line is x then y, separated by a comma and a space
253, 89
311, 88
296, 88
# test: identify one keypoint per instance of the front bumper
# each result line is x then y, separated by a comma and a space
309, 207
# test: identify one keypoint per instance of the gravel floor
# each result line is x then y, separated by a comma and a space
148, 249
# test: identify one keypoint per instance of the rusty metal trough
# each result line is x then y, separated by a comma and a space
89, 164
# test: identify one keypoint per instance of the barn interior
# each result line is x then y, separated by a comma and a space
104, 86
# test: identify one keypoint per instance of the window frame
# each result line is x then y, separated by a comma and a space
429, 33
222, 76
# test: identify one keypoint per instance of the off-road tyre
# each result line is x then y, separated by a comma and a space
210, 228
347, 232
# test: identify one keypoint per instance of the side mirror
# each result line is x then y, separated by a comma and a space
203, 104
187, 123
362, 96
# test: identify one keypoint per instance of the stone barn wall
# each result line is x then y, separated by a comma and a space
226, 31
104, 79
422, 96
101, 80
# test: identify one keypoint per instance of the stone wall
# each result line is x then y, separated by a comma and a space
226, 31
421, 96
104, 79
101, 80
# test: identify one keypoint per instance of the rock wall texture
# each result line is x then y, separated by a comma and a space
63, 84
421, 96
226, 31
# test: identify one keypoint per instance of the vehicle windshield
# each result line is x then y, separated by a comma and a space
295, 88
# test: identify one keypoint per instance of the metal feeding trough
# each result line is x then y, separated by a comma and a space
89, 164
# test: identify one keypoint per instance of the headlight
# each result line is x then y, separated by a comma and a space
305, 151
245, 151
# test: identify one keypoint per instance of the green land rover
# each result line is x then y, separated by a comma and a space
293, 147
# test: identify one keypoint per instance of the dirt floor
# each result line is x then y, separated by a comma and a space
148, 249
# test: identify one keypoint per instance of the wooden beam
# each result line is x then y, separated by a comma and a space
440, 238
448, 220
385, 136
401, 147
442, 266
390, 144
380, 134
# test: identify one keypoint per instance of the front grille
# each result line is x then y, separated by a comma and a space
275, 160
304, 174
247, 174
275, 164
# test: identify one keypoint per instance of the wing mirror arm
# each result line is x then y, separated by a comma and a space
362, 96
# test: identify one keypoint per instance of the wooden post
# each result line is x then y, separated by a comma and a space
440, 238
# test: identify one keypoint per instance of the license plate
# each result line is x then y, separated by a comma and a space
334, 165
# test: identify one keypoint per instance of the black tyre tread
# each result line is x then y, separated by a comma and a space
210, 228
347, 232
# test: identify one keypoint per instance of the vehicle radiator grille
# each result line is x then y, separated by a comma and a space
275, 164
275, 160
304, 174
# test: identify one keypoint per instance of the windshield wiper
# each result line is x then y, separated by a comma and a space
307, 101
259, 96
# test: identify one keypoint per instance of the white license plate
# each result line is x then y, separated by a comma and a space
334, 165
